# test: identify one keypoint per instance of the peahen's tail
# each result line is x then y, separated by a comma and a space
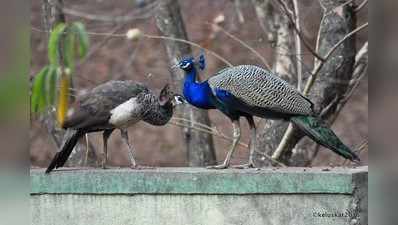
323, 135
71, 138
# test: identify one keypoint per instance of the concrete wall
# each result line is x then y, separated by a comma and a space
198, 196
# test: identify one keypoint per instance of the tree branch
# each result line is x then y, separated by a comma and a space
359, 7
342, 5
190, 43
299, 67
243, 44
289, 14
320, 64
141, 13
157, 37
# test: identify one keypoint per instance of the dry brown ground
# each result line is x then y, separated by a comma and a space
162, 146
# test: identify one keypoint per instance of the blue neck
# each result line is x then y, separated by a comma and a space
190, 76
197, 94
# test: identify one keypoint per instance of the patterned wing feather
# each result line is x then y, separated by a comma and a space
259, 88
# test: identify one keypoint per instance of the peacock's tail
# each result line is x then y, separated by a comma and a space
323, 135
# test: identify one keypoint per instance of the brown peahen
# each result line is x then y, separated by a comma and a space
115, 105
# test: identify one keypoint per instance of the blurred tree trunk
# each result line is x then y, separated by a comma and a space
280, 35
53, 15
333, 79
331, 84
199, 145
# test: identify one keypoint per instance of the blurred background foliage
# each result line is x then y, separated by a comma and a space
66, 42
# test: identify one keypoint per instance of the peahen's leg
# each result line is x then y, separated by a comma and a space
236, 138
252, 145
125, 138
105, 136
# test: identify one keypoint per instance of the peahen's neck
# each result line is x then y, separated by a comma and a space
158, 114
197, 93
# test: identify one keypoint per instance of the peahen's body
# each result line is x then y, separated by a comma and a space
114, 105
249, 91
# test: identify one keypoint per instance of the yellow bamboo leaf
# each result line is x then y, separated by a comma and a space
63, 99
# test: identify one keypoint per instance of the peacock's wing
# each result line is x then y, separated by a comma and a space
253, 88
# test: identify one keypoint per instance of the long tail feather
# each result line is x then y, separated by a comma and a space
323, 135
72, 136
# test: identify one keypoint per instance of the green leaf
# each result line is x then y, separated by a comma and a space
51, 85
38, 99
54, 44
83, 43
69, 49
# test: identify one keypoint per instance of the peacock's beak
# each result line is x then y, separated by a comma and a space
175, 65
179, 99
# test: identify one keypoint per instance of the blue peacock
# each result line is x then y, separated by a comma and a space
248, 91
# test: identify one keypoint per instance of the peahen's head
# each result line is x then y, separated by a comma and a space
168, 97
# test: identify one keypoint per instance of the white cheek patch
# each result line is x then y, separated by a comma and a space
185, 66
178, 100
125, 113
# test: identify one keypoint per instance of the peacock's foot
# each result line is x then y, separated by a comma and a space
105, 167
104, 161
139, 167
221, 166
111, 167
244, 166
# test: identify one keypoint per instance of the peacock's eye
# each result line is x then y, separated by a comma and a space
179, 99
185, 65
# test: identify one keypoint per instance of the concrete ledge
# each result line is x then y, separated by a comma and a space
197, 181
197, 196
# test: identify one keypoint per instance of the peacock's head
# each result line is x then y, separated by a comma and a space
168, 97
187, 64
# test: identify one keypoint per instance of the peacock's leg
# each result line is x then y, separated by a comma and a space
125, 138
252, 141
105, 136
252, 145
236, 137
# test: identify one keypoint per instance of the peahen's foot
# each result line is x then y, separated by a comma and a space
221, 166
